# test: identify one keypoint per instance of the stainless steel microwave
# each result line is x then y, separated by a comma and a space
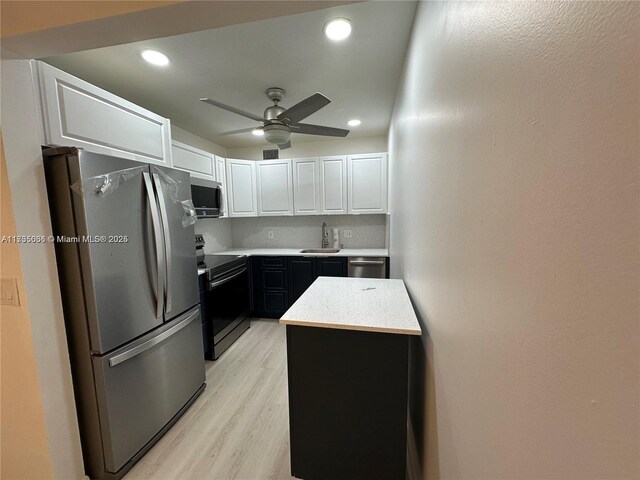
207, 197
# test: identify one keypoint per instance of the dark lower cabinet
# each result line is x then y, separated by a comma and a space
302, 273
279, 281
332, 267
274, 303
271, 286
348, 394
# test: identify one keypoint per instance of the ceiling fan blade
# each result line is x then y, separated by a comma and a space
304, 108
242, 130
309, 129
233, 109
282, 146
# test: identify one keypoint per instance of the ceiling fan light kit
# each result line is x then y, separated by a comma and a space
278, 123
276, 134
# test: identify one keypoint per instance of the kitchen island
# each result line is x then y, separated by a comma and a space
348, 365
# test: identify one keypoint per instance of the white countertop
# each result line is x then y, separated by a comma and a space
367, 304
287, 252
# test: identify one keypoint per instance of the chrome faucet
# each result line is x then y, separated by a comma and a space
325, 235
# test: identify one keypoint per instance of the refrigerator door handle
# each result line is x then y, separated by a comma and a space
137, 350
155, 220
167, 239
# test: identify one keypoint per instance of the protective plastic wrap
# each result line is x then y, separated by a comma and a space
105, 185
189, 216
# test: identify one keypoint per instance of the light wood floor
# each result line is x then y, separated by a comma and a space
239, 427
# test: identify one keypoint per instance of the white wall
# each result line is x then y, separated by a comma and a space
305, 231
514, 150
326, 147
23, 136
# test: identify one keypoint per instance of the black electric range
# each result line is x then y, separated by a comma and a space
218, 265
226, 301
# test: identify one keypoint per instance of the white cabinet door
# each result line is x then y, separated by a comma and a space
193, 160
275, 187
79, 114
367, 189
221, 176
241, 188
333, 185
306, 186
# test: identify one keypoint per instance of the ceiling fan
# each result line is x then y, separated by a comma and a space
279, 123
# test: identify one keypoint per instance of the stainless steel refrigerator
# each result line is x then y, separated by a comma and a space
128, 277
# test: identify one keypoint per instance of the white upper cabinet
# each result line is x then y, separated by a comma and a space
333, 185
197, 162
221, 176
306, 186
275, 187
367, 189
79, 114
241, 188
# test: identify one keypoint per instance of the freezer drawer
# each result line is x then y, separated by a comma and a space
141, 386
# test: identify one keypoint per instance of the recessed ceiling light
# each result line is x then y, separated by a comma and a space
354, 123
258, 132
337, 29
155, 58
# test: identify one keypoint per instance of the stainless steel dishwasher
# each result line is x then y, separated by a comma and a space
368, 267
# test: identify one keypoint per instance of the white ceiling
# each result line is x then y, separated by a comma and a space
235, 64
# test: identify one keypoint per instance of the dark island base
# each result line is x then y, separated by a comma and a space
347, 403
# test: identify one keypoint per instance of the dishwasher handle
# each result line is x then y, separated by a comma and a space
367, 267
366, 262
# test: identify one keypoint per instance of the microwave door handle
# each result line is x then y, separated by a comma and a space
155, 221
167, 240
220, 200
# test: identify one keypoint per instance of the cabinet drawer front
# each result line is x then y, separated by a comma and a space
273, 262
273, 279
332, 267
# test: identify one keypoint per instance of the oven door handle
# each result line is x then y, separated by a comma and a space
217, 283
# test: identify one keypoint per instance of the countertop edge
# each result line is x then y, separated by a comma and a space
295, 252
357, 328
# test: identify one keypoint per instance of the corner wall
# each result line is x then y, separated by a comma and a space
23, 136
515, 209
25, 451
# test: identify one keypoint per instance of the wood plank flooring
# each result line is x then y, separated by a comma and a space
238, 429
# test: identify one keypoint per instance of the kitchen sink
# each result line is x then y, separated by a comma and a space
320, 250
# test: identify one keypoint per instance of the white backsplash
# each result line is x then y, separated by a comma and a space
216, 233
368, 231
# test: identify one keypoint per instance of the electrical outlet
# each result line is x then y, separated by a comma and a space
348, 233
270, 234
9, 292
